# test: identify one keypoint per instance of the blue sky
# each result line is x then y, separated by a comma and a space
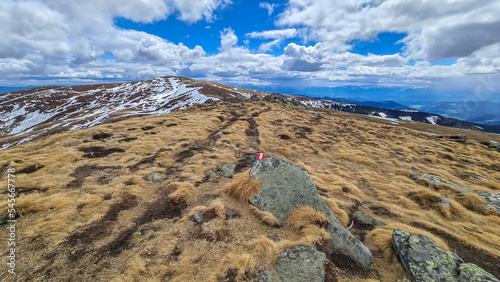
410, 51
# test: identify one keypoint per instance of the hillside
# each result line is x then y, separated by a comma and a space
91, 207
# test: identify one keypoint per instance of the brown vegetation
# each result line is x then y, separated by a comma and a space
143, 230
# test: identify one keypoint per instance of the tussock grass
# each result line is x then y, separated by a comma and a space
184, 191
303, 216
242, 186
265, 217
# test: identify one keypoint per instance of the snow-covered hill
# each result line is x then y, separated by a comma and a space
30, 113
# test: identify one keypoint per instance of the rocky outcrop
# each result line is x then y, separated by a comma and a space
297, 264
436, 181
286, 186
492, 199
423, 260
155, 177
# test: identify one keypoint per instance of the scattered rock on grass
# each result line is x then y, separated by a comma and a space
155, 177
297, 264
423, 260
493, 199
228, 170
364, 221
286, 186
436, 181
207, 215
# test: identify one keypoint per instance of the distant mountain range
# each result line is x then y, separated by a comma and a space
395, 115
478, 112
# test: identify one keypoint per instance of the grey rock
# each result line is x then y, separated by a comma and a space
3, 219
297, 264
424, 260
471, 272
286, 186
233, 99
436, 180
477, 177
228, 170
207, 215
211, 174
209, 101
282, 99
268, 276
155, 177
364, 221
444, 203
493, 199
493, 145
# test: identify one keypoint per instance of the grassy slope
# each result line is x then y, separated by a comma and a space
99, 218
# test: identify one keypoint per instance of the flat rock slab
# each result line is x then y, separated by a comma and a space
423, 260
297, 264
286, 186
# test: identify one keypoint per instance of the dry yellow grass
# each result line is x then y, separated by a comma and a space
303, 216
242, 186
356, 162
265, 217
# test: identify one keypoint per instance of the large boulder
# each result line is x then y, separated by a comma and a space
297, 264
423, 260
286, 186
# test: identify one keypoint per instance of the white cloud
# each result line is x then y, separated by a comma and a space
268, 7
278, 35
436, 29
273, 34
62, 41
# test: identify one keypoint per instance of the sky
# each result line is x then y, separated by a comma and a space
410, 51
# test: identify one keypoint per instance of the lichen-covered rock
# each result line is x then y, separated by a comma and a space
470, 272
493, 199
436, 180
297, 264
155, 177
228, 170
423, 260
268, 276
364, 221
286, 186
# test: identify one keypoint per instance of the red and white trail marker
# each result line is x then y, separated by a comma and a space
261, 156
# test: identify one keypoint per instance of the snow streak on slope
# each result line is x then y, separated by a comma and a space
69, 108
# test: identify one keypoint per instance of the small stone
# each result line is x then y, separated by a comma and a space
364, 221
228, 170
155, 177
